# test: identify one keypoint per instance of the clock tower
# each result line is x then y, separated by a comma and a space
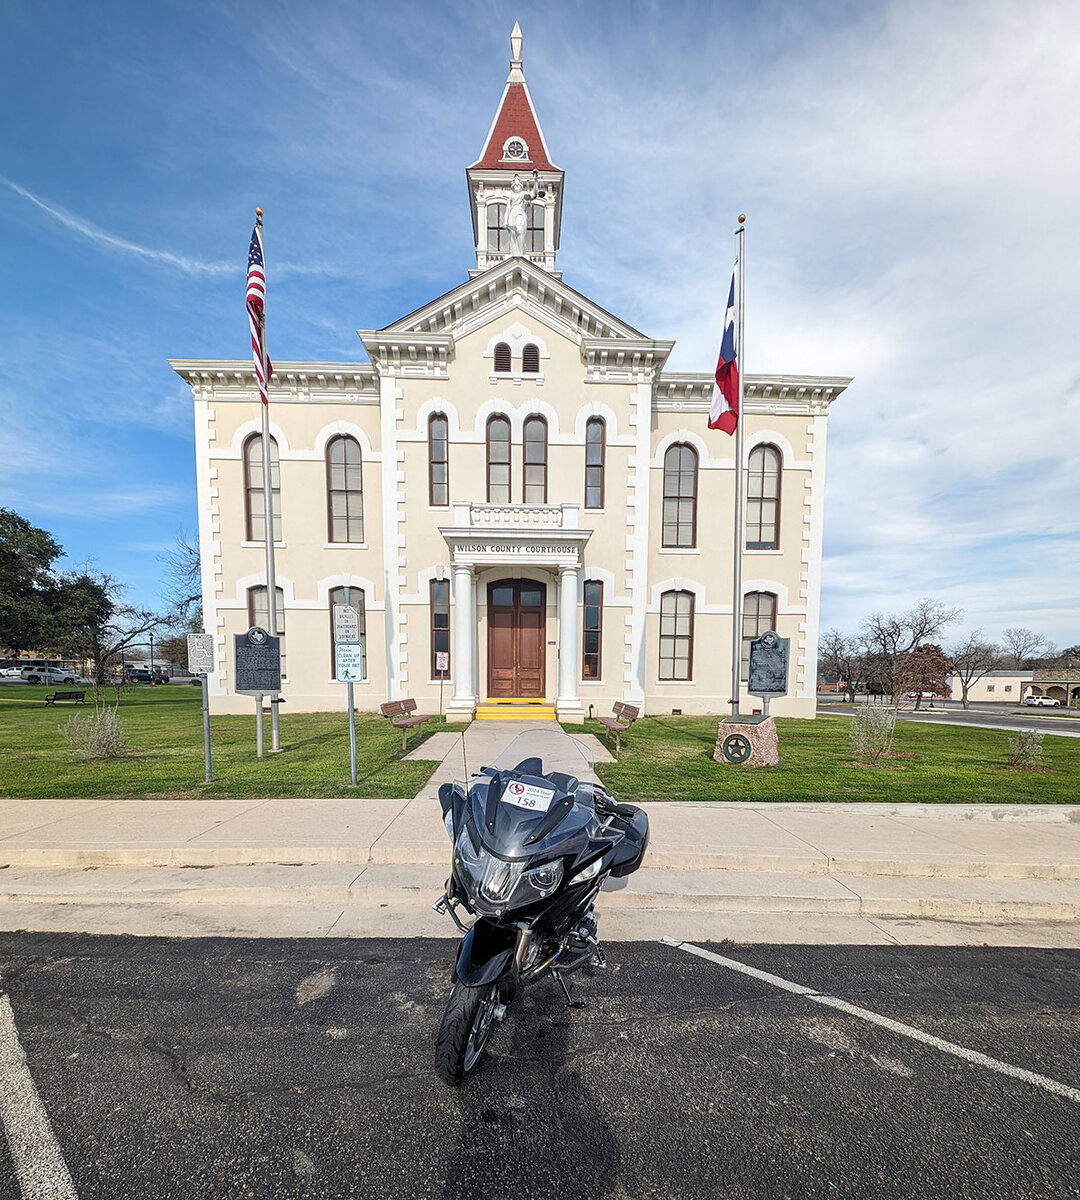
515, 190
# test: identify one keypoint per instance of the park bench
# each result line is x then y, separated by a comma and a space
624, 716
403, 716
78, 697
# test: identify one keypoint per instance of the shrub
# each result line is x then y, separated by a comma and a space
872, 730
1026, 748
96, 735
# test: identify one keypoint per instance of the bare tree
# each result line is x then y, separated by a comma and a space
1022, 644
843, 658
183, 579
890, 637
970, 660
924, 671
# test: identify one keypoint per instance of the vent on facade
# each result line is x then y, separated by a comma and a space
676, 712
502, 357
530, 360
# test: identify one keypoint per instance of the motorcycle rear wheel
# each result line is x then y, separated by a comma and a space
464, 1032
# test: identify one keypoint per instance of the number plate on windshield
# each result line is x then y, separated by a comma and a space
525, 795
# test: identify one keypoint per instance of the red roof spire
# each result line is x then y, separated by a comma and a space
515, 141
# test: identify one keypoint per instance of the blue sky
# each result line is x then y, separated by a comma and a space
909, 170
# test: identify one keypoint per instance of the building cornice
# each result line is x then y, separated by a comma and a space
405, 354
299, 382
623, 360
795, 395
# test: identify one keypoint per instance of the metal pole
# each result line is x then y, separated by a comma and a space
352, 714
736, 601
258, 726
206, 722
268, 515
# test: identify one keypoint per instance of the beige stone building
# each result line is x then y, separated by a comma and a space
514, 479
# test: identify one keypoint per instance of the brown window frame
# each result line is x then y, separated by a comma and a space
598, 653
601, 424
433, 462
492, 420
346, 491
533, 243
503, 355
280, 614
679, 499
337, 596
434, 629
250, 491
746, 639
533, 420
498, 209
675, 638
764, 449
530, 350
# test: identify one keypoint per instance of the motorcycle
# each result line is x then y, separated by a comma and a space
531, 852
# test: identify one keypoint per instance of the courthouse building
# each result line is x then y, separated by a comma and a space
513, 478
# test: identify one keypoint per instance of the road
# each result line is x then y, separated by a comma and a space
299, 1069
1003, 716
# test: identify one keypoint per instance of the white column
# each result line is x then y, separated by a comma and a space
567, 703
462, 703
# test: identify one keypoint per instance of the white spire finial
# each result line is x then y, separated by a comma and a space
516, 75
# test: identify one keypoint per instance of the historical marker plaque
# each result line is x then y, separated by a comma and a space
257, 658
769, 665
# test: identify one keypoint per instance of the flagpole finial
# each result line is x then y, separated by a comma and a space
258, 213
742, 218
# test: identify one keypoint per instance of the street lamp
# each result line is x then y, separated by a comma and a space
152, 680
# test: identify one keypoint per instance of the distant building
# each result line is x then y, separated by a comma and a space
513, 478
999, 686
1061, 683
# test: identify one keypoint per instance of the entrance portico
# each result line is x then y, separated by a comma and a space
503, 547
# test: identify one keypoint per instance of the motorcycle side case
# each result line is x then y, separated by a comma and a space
631, 850
486, 953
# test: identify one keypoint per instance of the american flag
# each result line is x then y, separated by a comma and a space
256, 306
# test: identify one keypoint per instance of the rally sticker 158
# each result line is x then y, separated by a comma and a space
525, 795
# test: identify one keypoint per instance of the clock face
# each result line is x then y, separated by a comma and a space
515, 148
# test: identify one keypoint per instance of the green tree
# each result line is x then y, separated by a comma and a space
27, 584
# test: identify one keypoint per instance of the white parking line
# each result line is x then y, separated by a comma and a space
918, 1035
39, 1165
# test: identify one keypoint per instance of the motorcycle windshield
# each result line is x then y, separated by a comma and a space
557, 751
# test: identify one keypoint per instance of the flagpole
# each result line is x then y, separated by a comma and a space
268, 513
737, 598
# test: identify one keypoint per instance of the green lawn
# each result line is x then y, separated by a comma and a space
164, 751
670, 758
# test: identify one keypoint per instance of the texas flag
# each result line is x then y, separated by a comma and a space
724, 410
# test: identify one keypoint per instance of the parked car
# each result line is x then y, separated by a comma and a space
1042, 701
48, 675
139, 675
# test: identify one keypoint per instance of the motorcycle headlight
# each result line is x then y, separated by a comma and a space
490, 878
545, 879
448, 821
590, 872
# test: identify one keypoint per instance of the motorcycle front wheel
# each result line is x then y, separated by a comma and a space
464, 1032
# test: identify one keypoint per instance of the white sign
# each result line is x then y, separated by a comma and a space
346, 623
348, 662
442, 661
200, 653
526, 795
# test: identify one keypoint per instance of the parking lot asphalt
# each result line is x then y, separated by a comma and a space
285, 1068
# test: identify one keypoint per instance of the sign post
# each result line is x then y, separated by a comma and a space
257, 660
442, 665
200, 657
348, 664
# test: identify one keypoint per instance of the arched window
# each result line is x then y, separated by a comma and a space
438, 461
680, 496
677, 636
502, 357
530, 360
498, 460
534, 232
344, 491
758, 617
534, 454
259, 614
440, 626
254, 501
592, 628
763, 499
497, 236
356, 599
594, 462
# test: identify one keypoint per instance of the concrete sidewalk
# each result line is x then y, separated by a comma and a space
1006, 874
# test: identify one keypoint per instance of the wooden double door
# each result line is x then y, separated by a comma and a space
516, 642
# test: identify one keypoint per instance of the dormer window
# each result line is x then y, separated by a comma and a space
515, 150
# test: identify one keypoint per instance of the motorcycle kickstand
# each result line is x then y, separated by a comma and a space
566, 991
